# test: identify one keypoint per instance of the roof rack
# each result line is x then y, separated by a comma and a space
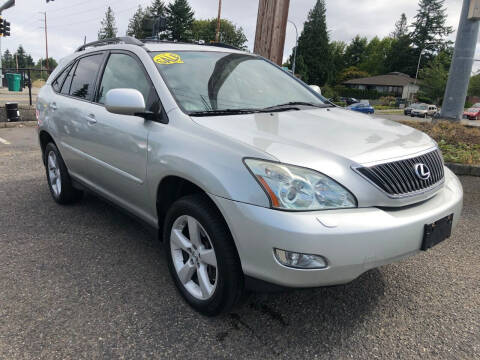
125, 39
201, 42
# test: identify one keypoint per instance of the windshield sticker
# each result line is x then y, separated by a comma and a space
168, 59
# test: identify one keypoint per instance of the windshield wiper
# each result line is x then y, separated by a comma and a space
293, 106
223, 112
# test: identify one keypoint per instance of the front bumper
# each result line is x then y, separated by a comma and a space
353, 241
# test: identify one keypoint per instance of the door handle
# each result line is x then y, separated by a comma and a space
91, 119
53, 106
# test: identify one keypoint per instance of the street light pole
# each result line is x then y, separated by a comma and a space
418, 66
296, 46
7, 5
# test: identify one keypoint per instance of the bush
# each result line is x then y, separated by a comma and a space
388, 101
468, 105
459, 144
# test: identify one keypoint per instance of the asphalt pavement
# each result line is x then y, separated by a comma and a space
88, 282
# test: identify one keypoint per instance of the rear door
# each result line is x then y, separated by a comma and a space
73, 112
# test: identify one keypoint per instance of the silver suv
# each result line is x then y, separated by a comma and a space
252, 179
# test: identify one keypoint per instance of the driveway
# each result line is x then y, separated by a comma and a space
88, 282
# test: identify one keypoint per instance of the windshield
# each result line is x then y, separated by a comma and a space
204, 81
422, 107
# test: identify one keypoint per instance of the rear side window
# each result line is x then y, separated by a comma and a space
83, 82
58, 82
68, 80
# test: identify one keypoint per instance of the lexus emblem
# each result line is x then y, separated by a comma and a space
422, 171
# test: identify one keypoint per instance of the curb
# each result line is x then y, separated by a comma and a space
18, 124
464, 170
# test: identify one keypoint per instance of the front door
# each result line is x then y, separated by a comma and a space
119, 143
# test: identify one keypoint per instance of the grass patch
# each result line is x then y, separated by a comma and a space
459, 144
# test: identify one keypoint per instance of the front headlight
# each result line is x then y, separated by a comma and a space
294, 188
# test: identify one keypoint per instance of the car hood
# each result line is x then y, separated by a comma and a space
306, 137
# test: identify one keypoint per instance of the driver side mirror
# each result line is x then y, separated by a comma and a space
125, 102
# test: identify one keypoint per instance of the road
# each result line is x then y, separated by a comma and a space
88, 282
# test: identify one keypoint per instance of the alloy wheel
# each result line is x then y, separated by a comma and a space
54, 173
194, 257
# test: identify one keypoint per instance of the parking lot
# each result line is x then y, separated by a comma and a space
86, 281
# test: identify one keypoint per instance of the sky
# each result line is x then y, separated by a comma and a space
69, 21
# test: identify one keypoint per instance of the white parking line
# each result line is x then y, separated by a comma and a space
4, 142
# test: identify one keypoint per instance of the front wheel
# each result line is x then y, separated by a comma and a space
201, 256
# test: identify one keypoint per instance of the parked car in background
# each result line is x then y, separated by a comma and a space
362, 107
349, 100
424, 111
473, 113
408, 110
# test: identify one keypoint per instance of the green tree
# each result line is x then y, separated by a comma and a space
108, 27
351, 72
356, 51
474, 86
180, 20
229, 33
8, 61
401, 27
157, 8
314, 48
434, 78
429, 28
136, 24
401, 57
376, 54
42, 63
337, 51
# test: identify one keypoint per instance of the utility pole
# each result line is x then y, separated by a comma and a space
46, 41
462, 63
296, 47
217, 36
271, 28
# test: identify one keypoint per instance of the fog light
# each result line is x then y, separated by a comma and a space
300, 261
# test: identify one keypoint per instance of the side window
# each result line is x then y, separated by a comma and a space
68, 81
58, 82
83, 82
123, 71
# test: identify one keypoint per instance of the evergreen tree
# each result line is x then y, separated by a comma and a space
157, 8
314, 48
20, 57
135, 25
337, 51
402, 57
356, 51
429, 27
179, 20
8, 61
401, 27
108, 27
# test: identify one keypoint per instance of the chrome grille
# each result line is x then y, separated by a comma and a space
399, 179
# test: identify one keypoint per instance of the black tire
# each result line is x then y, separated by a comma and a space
230, 282
68, 194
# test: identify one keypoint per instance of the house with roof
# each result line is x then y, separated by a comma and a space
397, 84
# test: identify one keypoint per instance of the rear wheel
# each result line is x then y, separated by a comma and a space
201, 256
59, 181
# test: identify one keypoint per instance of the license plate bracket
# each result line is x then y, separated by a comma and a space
437, 232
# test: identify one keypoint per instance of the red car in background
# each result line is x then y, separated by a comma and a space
473, 113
